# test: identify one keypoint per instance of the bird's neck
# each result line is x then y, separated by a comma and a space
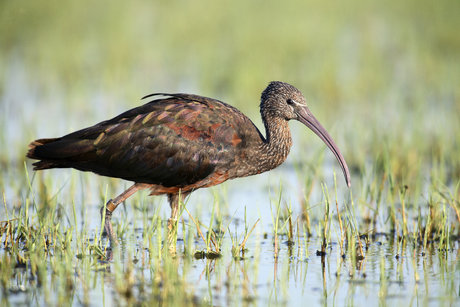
275, 149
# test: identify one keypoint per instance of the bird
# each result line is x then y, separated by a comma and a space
178, 143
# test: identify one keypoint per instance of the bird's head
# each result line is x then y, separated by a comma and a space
282, 100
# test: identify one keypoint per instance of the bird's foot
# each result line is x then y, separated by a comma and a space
172, 234
172, 224
108, 229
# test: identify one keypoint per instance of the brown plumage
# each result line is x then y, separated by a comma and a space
180, 142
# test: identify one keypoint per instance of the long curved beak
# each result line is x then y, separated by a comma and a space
305, 117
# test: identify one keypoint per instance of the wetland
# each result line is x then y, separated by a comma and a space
382, 78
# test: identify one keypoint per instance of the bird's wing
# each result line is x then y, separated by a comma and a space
174, 141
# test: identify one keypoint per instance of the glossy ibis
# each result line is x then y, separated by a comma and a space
178, 143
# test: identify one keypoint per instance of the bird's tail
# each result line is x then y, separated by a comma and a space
55, 152
35, 153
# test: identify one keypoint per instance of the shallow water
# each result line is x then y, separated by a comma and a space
392, 272
260, 279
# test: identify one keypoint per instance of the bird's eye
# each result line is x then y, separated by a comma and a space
290, 101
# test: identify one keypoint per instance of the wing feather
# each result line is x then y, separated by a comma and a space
174, 141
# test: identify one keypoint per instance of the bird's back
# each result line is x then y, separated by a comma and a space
176, 141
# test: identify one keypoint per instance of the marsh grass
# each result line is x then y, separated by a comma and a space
238, 249
146, 271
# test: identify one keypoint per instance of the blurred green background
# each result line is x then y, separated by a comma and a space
380, 75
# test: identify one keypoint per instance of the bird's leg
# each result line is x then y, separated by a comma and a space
174, 200
112, 204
